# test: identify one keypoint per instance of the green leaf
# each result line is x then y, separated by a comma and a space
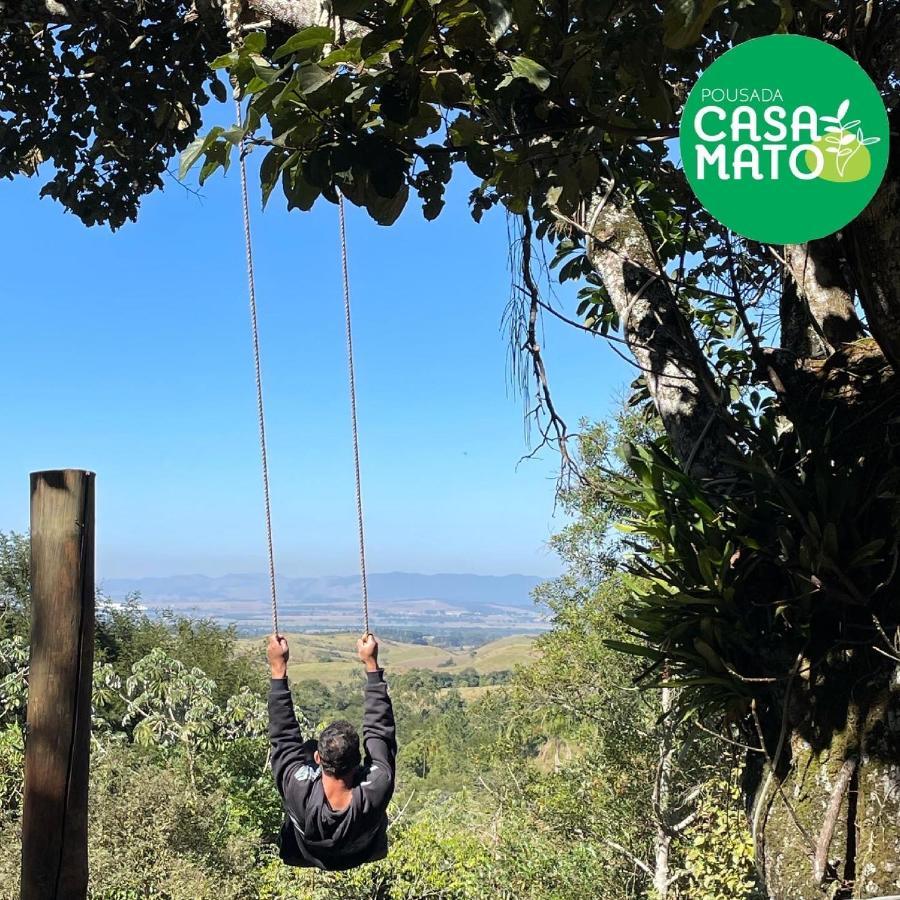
635, 650
425, 121
709, 654
434, 203
255, 42
269, 170
350, 52
225, 61
418, 32
380, 40
706, 511
313, 38
866, 552
263, 72
299, 192
196, 149
234, 135
218, 90
218, 155
464, 131
386, 174
448, 88
523, 67
310, 78
386, 210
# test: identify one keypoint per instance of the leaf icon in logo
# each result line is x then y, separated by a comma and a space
846, 159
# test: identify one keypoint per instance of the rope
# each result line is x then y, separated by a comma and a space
352, 379
232, 12
260, 408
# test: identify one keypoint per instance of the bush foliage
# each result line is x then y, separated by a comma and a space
544, 788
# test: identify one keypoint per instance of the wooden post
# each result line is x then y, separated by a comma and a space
57, 745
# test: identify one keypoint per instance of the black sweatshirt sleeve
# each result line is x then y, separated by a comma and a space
380, 742
289, 753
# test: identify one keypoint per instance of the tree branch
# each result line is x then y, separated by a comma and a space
556, 424
295, 13
630, 856
823, 842
45, 12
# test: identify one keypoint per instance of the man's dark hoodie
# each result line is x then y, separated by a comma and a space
313, 833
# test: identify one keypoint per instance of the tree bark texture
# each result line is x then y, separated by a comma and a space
657, 334
827, 825
823, 291
874, 249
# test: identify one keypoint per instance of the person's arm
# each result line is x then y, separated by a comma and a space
379, 729
288, 750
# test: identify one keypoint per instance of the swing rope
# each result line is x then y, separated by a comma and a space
360, 520
232, 13
260, 406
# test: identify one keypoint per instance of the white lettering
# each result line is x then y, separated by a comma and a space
744, 119
716, 111
820, 162
774, 116
746, 156
775, 151
717, 157
804, 119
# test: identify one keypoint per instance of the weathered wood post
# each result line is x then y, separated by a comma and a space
57, 746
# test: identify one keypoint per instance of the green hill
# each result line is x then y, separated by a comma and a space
331, 658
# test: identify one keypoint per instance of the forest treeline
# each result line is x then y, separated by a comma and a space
570, 779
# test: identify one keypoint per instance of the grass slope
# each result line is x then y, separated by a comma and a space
331, 658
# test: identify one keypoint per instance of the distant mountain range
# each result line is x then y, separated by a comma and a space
396, 597
468, 591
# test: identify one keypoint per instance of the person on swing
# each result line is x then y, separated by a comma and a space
335, 799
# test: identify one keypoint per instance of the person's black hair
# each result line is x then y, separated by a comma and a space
339, 749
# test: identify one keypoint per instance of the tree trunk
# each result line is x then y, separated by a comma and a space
661, 794
799, 335
658, 336
823, 290
827, 827
873, 239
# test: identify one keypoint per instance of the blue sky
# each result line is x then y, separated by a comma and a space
129, 354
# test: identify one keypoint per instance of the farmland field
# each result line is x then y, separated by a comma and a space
331, 658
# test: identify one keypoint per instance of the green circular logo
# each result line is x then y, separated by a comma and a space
784, 139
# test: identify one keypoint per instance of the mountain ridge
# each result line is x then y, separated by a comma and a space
447, 591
